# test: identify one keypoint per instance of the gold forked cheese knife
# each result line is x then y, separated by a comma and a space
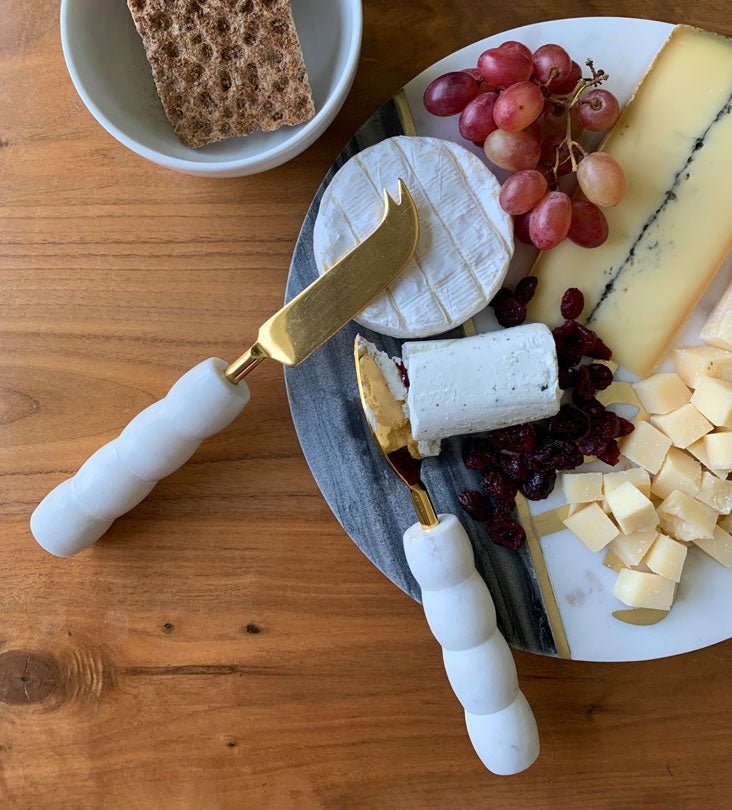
457, 604
209, 396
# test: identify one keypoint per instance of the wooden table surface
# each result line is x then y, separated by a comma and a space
226, 645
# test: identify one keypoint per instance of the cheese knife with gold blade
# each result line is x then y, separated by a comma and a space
207, 398
456, 601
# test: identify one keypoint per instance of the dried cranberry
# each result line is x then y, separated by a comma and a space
586, 338
514, 467
590, 406
610, 454
507, 533
591, 444
539, 485
625, 428
569, 423
479, 454
501, 298
601, 375
573, 302
567, 331
512, 313
524, 291
567, 377
557, 454
607, 426
518, 438
599, 351
402, 373
584, 387
495, 484
475, 504
502, 510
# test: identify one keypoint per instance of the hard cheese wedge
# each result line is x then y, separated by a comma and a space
674, 227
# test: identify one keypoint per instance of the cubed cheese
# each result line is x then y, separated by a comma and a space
645, 446
692, 363
666, 557
713, 399
636, 475
613, 561
683, 426
662, 393
592, 526
631, 548
679, 471
698, 450
715, 493
718, 328
631, 509
685, 518
582, 487
719, 450
719, 547
638, 589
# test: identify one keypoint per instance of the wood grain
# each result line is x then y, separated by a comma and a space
226, 645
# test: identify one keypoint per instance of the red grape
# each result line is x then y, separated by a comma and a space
448, 94
513, 151
551, 63
476, 120
474, 72
534, 129
522, 191
521, 228
518, 106
549, 154
598, 110
601, 179
589, 227
501, 67
555, 120
519, 47
550, 220
564, 88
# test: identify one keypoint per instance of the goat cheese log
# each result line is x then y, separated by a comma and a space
493, 380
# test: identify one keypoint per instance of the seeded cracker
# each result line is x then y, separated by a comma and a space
224, 67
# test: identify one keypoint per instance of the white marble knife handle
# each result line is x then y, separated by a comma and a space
478, 662
120, 474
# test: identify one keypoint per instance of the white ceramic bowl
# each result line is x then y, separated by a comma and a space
106, 60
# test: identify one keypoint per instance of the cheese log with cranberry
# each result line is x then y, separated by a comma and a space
673, 142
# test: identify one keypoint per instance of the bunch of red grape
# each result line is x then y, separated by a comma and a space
526, 110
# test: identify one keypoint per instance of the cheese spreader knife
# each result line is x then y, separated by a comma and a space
460, 613
207, 398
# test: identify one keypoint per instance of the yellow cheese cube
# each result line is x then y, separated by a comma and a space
614, 562
638, 589
698, 450
685, 518
631, 548
632, 511
719, 547
693, 363
666, 557
715, 493
592, 526
662, 393
718, 328
582, 487
683, 426
713, 399
719, 450
679, 471
725, 522
636, 475
645, 446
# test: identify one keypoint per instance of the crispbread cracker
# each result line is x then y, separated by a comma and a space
224, 67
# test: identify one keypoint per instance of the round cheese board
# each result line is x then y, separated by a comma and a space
553, 595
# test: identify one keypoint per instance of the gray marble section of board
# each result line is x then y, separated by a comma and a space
371, 504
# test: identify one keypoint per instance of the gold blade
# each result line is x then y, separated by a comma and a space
398, 458
329, 303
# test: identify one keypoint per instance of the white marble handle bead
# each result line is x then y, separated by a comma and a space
120, 474
478, 662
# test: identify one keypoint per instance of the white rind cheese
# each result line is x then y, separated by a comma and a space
489, 381
465, 238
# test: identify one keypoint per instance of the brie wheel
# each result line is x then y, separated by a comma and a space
465, 237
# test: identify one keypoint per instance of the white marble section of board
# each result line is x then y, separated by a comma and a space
465, 238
